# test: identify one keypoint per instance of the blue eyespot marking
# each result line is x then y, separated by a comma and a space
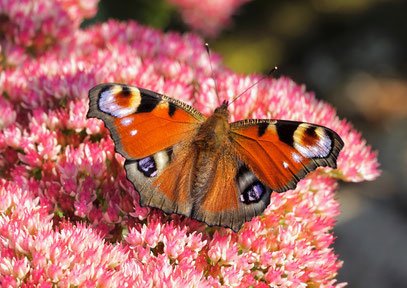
147, 166
253, 193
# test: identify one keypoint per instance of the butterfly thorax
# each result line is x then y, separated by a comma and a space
214, 132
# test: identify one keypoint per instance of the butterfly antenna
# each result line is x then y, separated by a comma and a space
254, 84
213, 75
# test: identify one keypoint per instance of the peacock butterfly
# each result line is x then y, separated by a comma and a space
208, 169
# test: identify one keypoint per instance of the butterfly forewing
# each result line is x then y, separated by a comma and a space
140, 121
280, 153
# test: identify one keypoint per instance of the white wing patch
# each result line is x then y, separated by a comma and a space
133, 132
126, 121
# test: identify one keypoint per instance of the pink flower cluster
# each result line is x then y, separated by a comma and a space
68, 216
207, 16
30, 27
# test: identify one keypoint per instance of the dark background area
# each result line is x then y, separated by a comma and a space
353, 55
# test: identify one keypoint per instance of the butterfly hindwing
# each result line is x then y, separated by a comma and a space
140, 121
280, 153
235, 195
163, 179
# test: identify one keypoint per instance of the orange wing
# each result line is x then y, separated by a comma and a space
167, 185
140, 121
280, 153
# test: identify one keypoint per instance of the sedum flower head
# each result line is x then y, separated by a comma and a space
208, 17
69, 217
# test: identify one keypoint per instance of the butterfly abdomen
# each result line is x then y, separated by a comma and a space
210, 143
204, 174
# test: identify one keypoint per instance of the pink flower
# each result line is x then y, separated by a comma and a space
39, 24
209, 16
8, 115
68, 215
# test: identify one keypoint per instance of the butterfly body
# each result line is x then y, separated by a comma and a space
211, 170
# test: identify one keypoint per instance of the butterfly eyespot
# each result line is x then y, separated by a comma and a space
119, 101
311, 141
147, 166
253, 193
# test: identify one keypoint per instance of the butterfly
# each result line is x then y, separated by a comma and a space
206, 168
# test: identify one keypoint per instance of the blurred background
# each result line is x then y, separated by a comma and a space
351, 53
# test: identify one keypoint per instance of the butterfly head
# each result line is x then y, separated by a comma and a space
223, 109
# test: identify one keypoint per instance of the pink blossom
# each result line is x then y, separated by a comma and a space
40, 23
209, 16
68, 215
8, 115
